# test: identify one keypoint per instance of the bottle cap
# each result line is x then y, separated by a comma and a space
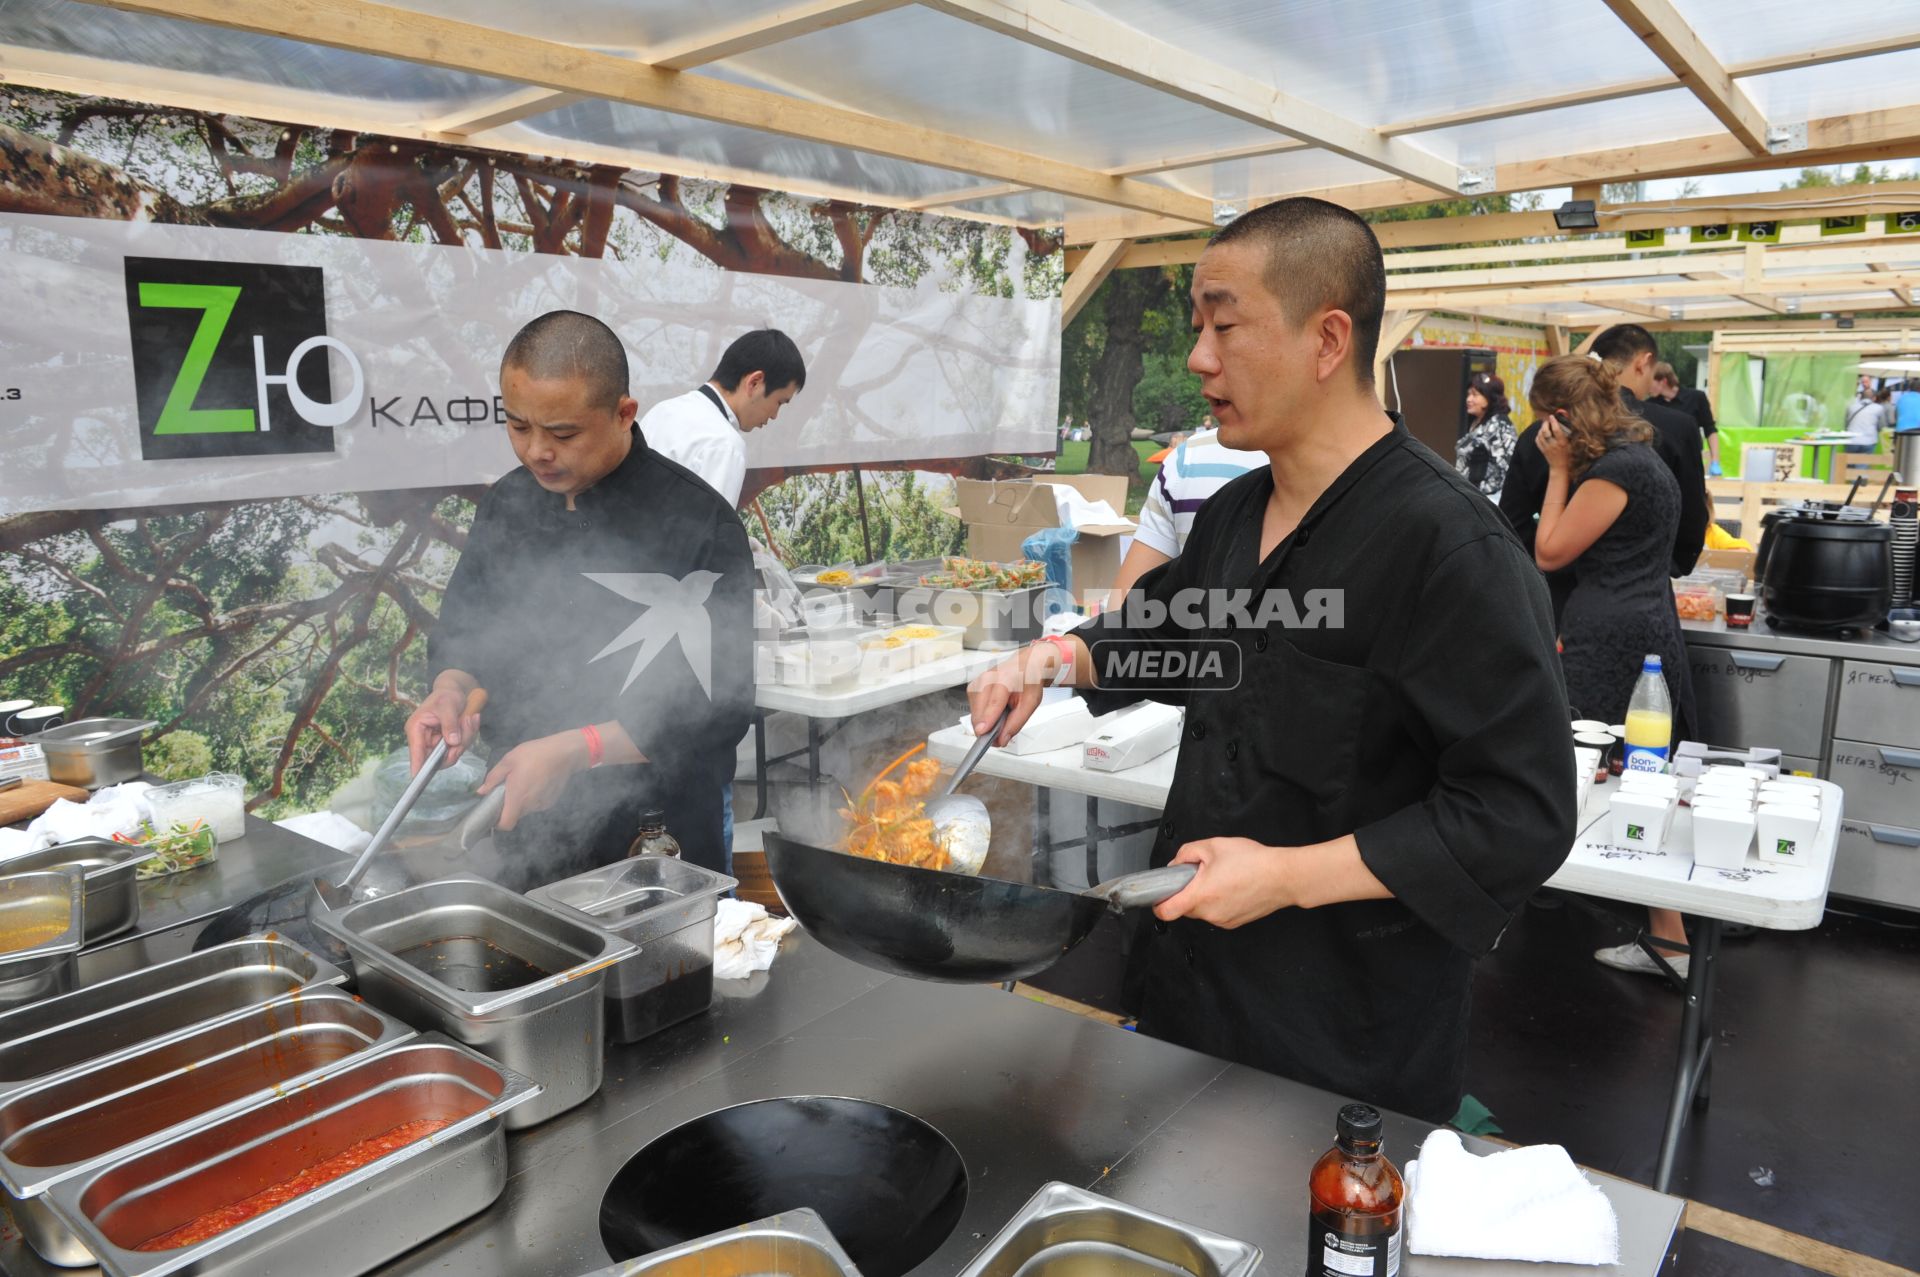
1358, 1124
1652, 662
653, 818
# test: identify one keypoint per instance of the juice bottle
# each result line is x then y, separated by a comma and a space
1353, 1229
1649, 720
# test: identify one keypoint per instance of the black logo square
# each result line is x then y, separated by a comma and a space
212, 345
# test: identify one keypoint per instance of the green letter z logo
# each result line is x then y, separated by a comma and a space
179, 416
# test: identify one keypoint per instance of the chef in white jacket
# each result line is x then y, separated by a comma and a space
705, 429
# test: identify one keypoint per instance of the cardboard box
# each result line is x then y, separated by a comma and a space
1002, 513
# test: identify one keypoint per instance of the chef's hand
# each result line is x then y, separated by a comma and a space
451, 710
1021, 678
1715, 472
535, 774
1554, 443
1240, 881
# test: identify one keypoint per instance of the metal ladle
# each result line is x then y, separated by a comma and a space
953, 812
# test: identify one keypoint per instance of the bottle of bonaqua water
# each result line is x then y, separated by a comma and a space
1649, 720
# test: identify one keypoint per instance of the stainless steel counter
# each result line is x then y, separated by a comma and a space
1868, 645
1025, 1092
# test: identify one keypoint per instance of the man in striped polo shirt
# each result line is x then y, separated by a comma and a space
1200, 466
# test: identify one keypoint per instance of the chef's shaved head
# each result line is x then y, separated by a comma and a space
565, 345
1319, 255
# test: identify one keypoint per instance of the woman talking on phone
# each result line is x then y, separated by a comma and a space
1610, 513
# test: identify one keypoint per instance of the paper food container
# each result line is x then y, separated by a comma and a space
1640, 819
1787, 833
1721, 837
1135, 735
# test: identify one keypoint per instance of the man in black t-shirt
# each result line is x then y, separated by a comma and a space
1692, 401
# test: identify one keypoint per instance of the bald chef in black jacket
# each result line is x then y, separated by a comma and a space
1392, 776
604, 601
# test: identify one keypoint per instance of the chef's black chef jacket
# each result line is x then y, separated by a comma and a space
1676, 437
524, 615
1432, 724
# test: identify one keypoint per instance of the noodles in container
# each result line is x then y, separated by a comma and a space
888, 821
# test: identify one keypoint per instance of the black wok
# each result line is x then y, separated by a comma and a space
954, 928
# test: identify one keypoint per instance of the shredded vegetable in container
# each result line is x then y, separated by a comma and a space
977, 574
179, 847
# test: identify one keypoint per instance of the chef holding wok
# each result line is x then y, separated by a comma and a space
1382, 773
604, 602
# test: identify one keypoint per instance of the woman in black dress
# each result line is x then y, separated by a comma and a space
1610, 512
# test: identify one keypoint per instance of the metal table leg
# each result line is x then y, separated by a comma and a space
813, 752
760, 763
1696, 1044
1093, 841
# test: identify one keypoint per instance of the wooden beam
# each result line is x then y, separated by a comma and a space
757, 33
1098, 41
1087, 276
1193, 159
991, 191
1586, 343
1760, 301
384, 31
1661, 28
1607, 294
1556, 340
1396, 327
1624, 306
507, 108
1904, 294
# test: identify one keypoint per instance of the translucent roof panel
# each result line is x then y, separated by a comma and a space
1738, 31
1035, 208
1387, 61
721, 146
1271, 175
61, 26
1838, 88
1572, 130
941, 73
601, 24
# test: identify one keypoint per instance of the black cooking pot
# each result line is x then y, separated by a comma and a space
1826, 573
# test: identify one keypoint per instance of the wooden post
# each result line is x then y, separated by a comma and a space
1088, 276
1397, 326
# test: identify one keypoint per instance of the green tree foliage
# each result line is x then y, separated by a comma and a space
820, 518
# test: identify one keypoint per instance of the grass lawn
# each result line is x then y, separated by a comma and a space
1073, 460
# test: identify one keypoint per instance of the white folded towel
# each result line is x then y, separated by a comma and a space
1524, 1203
105, 814
330, 829
745, 939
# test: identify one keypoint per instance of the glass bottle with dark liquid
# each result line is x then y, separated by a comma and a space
1354, 1228
653, 838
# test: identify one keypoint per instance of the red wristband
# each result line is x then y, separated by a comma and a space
596, 751
1068, 655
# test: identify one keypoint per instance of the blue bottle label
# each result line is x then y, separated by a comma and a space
1646, 758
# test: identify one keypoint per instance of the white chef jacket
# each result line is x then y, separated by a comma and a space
701, 436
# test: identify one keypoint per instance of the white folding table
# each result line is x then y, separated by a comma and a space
1779, 898
817, 704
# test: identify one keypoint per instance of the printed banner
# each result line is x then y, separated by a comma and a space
151, 365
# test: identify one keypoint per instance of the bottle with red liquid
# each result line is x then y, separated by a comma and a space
1354, 1228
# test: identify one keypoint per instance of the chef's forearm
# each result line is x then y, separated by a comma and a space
1331, 873
619, 747
459, 682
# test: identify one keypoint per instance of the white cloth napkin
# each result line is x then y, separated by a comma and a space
745, 939
119, 810
330, 829
1525, 1203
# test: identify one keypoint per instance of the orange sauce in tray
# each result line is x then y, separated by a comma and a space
214, 1222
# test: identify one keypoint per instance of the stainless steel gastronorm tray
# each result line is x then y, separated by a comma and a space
89, 1117
347, 1226
46, 907
517, 979
113, 894
114, 1016
1065, 1231
793, 1243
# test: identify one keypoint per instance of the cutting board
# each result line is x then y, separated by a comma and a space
30, 798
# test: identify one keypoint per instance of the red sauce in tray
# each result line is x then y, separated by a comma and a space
214, 1222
